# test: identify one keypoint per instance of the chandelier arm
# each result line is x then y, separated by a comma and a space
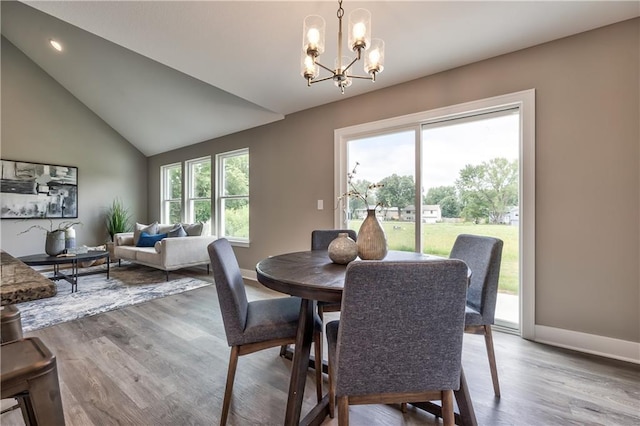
321, 79
326, 68
363, 77
350, 64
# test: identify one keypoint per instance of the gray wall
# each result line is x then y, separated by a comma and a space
587, 169
43, 123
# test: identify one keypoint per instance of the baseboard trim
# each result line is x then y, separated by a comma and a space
249, 274
622, 350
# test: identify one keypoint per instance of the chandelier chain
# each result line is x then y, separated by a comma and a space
340, 12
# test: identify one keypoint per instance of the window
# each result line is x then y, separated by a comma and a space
171, 193
232, 195
433, 162
198, 200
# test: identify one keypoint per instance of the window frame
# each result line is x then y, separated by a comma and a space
165, 200
189, 198
220, 197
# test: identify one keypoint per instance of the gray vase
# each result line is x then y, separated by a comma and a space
343, 249
54, 244
372, 241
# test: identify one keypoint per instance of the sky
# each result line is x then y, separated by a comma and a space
448, 147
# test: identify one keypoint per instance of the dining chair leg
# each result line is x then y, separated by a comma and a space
488, 339
231, 373
318, 364
283, 350
343, 411
332, 392
448, 417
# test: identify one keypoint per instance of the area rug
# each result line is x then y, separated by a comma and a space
128, 284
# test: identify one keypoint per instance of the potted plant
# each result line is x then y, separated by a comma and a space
117, 218
117, 221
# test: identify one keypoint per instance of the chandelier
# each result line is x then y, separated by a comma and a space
359, 41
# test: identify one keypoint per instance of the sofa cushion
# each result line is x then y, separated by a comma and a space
164, 228
148, 240
177, 231
193, 229
126, 252
139, 228
149, 256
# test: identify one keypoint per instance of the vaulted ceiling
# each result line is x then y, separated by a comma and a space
168, 74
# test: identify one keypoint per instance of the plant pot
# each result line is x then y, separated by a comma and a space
54, 244
372, 241
111, 249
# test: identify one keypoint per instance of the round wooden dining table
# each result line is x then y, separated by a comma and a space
313, 277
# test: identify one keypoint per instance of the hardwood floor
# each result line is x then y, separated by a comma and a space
164, 362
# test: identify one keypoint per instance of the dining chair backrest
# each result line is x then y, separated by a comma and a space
230, 287
483, 255
398, 319
321, 238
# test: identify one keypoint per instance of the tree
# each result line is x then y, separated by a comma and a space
202, 189
446, 197
175, 183
488, 189
398, 191
236, 183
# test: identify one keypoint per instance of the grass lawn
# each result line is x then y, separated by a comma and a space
439, 238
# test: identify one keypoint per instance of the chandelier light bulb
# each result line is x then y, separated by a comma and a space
374, 56
313, 36
309, 69
359, 30
374, 59
360, 24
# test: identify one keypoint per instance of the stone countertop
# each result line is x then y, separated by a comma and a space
20, 283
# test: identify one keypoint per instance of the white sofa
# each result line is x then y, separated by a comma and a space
167, 254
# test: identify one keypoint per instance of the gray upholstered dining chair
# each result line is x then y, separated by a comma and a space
483, 255
399, 337
252, 326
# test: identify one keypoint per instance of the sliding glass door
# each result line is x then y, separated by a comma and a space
468, 168
470, 180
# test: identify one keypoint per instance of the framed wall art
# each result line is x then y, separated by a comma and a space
37, 191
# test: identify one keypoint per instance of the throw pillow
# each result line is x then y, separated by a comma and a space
177, 231
139, 228
193, 229
148, 240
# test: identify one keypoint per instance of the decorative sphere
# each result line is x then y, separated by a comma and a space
343, 249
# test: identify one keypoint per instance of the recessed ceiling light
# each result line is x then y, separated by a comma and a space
55, 45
